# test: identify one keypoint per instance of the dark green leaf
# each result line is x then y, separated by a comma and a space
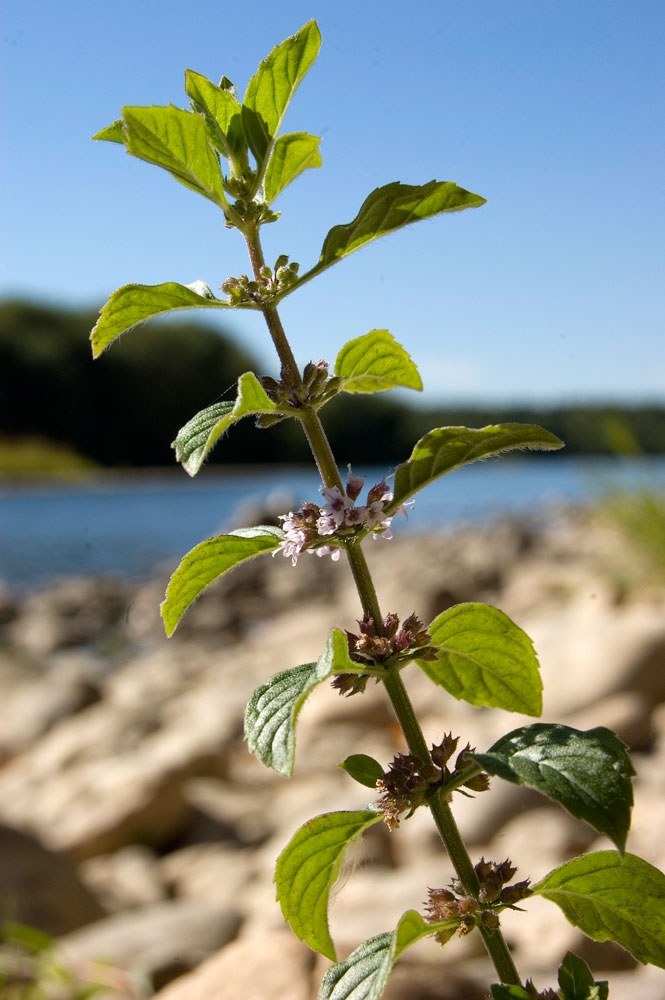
588, 773
363, 769
272, 87
175, 140
484, 658
199, 435
612, 898
500, 991
221, 110
446, 448
292, 154
386, 209
577, 982
375, 362
364, 974
208, 561
112, 133
272, 711
131, 304
308, 868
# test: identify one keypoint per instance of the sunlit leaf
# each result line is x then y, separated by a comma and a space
221, 110
587, 772
375, 362
484, 658
292, 154
612, 898
112, 133
210, 560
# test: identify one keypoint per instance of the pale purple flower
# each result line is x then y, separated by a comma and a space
337, 504
327, 524
354, 485
325, 550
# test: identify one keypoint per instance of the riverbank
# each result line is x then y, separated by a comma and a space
137, 828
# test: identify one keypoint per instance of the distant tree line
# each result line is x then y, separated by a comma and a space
126, 408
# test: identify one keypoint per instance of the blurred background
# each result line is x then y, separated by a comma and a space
547, 305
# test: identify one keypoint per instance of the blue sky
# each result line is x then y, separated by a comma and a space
553, 111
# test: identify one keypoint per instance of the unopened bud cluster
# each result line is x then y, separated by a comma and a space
408, 780
317, 387
262, 289
493, 896
411, 637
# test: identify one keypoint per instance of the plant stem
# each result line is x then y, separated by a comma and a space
402, 705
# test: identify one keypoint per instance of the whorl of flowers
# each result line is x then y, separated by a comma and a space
339, 518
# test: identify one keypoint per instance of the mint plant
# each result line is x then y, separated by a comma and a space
232, 153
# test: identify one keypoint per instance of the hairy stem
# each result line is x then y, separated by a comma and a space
402, 705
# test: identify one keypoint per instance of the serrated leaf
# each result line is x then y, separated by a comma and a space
273, 85
446, 448
363, 769
272, 711
364, 974
210, 560
221, 111
612, 898
577, 982
112, 133
307, 869
484, 658
175, 140
132, 304
386, 209
375, 362
587, 772
196, 439
292, 154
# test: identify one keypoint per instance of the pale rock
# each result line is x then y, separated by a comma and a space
128, 878
211, 873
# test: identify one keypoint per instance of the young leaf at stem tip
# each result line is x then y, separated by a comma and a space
222, 114
587, 772
375, 362
292, 154
308, 868
577, 982
484, 658
363, 769
612, 898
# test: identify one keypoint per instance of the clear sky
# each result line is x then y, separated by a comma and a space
554, 110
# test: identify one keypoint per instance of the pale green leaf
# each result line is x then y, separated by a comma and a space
375, 362
364, 974
112, 133
273, 85
611, 897
308, 868
446, 448
132, 304
175, 140
484, 658
386, 209
196, 439
587, 772
292, 154
210, 560
272, 711
221, 110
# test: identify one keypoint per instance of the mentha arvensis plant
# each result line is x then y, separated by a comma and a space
232, 152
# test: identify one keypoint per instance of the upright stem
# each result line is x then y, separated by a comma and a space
402, 705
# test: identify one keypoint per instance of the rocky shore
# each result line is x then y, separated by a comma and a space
137, 830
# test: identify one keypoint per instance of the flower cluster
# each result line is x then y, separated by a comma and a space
338, 519
263, 289
493, 896
412, 638
317, 387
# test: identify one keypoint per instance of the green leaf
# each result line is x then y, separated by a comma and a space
292, 154
272, 87
363, 769
446, 448
131, 304
577, 982
272, 711
612, 898
221, 111
484, 658
175, 140
375, 362
210, 560
196, 439
388, 208
112, 133
364, 974
588, 773
500, 991
308, 868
